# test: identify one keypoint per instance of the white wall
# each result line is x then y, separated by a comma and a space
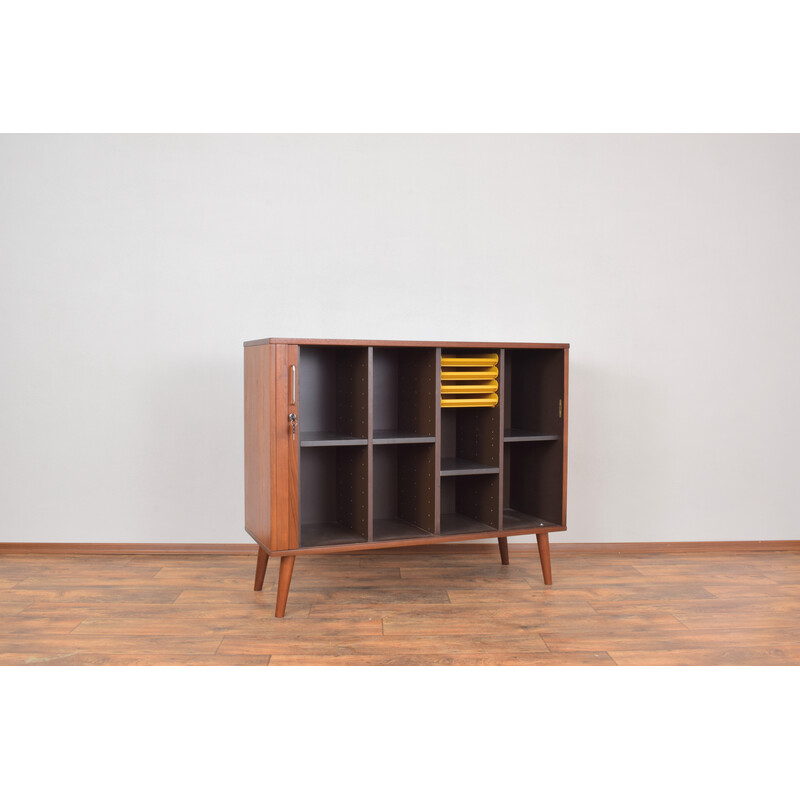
133, 267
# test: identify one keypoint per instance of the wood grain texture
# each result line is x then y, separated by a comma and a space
284, 580
395, 343
543, 541
433, 606
279, 437
292, 536
261, 569
257, 421
236, 549
503, 542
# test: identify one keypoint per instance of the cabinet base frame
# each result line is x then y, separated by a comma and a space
288, 557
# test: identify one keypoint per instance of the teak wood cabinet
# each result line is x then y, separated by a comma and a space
348, 446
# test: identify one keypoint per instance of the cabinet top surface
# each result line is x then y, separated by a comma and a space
397, 343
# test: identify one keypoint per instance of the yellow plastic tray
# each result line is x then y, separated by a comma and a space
489, 400
469, 374
469, 388
470, 361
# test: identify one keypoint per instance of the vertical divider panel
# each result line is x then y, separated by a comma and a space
370, 451
437, 457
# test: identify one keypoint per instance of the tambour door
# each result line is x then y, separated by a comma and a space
284, 448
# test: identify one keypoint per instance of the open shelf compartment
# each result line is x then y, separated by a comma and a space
333, 398
533, 393
333, 495
470, 439
532, 485
403, 491
405, 399
470, 504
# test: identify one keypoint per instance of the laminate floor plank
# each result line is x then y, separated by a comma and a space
146, 660
632, 592
645, 639
64, 644
463, 615
591, 625
432, 659
447, 605
9, 609
264, 626
19, 624
374, 592
750, 591
118, 594
67, 582
733, 656
175, 611
711, 610
342, 645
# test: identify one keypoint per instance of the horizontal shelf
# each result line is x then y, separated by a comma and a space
386, 529
461, 466
320, 534
520, 435
325, 439
458, 523
401, 437
513, 520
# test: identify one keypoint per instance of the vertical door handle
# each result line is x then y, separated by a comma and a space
293, 386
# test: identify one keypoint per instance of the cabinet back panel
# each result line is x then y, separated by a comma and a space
317, 389
534, 384
533, 478
384, 482
417, 470
317, 485
477, 497
419, 391
333, 390
405, 389
384, 389
352, 488
472, 434
352, 391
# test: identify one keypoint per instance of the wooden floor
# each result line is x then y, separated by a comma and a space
404, 606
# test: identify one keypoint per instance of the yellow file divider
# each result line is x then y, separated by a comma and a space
488, 400
489, 360
482, 374
469, 388
469, 381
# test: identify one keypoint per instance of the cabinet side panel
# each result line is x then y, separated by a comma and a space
502, 492
564, 440
257, 442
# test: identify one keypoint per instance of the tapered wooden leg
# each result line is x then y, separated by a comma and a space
261, 568
284, 579
503, 542
544, 556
